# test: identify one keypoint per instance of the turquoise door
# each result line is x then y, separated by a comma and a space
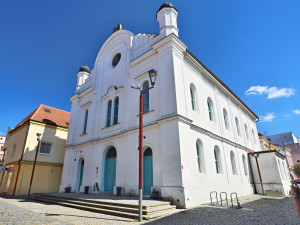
81, 168
110, 170
147, 172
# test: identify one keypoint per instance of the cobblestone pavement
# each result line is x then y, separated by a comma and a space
256, 210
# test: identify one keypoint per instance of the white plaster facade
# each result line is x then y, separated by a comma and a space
171, 126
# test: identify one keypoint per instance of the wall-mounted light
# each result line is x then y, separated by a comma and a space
38, 136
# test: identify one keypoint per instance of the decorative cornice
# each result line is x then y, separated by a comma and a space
216, 137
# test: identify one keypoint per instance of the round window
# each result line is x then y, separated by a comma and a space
116, 59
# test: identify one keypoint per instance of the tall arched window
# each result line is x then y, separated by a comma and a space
200, 156
86, 115
225, 114
246, 131
210, 109
237, 124
253, 136
108, 113
193, 96
233, 164
116, 110
245, 165
217, 159
146, 102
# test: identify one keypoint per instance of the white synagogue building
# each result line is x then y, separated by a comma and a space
197, 131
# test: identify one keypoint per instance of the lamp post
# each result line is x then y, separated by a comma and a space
152, 75
38, 135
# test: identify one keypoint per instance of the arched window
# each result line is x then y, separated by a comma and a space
193, 97
225, 114
86, 115
233, 164
199, 156
210, 109
245, 165
253, 136
116, 110
108, 115
246, 131
146, 102
237, 124
217, 159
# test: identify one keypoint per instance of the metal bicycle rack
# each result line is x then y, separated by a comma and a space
237, 200
221, 199
211, 198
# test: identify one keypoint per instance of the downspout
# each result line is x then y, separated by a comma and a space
249, 162
19, 162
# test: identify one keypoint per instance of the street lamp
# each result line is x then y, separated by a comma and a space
38, 138
152, 75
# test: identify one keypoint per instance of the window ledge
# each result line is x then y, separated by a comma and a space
44, 154
146, 113
114, 125
83, 134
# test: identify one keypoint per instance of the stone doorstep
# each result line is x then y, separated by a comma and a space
110, 207
108, 202
115, 211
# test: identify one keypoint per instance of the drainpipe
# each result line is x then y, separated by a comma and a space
262, 187
19, 162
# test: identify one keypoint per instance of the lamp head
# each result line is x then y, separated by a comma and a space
38, 135
152, 74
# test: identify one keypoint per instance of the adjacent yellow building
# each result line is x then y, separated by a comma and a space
21, 145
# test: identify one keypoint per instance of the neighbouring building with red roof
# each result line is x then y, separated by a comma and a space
21, 146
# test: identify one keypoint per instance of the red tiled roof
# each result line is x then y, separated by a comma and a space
2, 136
56, 117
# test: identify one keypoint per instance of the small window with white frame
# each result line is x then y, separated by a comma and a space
45, 148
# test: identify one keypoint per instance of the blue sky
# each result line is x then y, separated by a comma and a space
248, 44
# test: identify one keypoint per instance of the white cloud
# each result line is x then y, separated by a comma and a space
1, 133
267, 118
271, 92
296, 111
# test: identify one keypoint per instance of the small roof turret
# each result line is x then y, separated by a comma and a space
166, 5
84, 68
